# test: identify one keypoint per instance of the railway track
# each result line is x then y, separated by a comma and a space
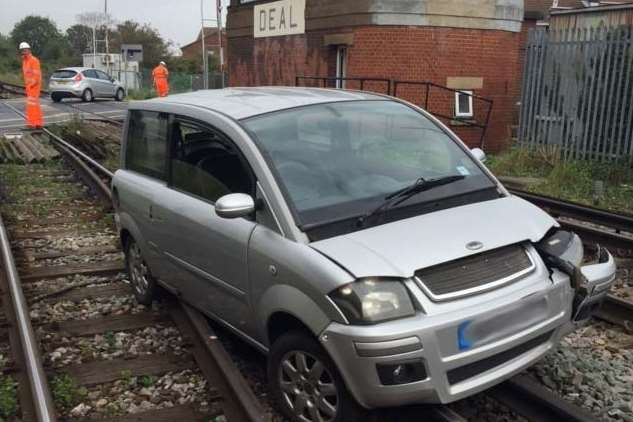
78, 107
65, 256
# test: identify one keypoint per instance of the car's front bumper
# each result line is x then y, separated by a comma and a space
510, 333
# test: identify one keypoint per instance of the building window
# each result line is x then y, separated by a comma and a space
464, 104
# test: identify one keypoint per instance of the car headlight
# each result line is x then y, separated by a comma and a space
564, 246
370, 301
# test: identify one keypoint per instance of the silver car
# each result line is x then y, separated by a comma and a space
351, 237
85, 83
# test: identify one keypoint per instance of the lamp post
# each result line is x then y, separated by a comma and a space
205, 67
221, 48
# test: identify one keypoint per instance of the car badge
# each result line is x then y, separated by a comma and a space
474, 245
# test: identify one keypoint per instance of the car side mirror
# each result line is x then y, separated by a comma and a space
235, 205
479, 154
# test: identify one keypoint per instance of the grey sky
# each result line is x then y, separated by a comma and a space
176, 20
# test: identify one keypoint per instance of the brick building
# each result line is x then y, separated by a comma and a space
193, 50
472, 45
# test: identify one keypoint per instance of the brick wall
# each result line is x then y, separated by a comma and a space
397, 52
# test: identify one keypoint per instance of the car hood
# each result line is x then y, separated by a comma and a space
400, 248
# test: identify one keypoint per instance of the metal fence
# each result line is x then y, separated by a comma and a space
180, 82
436, 99
577, 92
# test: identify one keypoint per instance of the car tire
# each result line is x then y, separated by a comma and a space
120, 95
315, 384
56, 98
87, 96
143, 285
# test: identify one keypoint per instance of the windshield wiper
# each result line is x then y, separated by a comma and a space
401, 195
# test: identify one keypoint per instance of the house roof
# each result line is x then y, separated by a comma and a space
540, 9
209, 31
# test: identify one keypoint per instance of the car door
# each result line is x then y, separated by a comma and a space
107, 86
93, 81
206, 254
143, 178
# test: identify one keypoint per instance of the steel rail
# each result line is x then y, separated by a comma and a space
536, 403
616, 311
623, 244
445, 414
42, 399
558, 207
60, 141
89, 176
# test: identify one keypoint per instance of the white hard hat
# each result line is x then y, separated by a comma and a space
24, 45
163, 63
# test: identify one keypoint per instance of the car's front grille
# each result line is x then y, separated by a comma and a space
465, 372
475, 273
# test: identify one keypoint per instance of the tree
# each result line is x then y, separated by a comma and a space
8, 55
155, 48
80, 39
42, 34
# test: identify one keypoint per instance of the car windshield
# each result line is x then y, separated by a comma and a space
339, 160
63, 74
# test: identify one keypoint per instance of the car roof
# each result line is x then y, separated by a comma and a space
242, 103
76, 69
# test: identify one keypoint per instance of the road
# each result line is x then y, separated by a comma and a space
60, 112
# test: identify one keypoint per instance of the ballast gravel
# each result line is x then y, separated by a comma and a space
593, 368
132, 395
60, 351
42, 312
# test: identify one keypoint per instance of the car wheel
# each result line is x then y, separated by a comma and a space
305, 383
56, 98
119, 95
143, 284
88, 96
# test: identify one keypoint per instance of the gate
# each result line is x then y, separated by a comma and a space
577, 92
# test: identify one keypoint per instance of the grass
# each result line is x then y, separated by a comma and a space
141, 94
573, 180
8, 398
148, 380
66, 392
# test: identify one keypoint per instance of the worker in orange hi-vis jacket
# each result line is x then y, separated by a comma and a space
160, 75
32, 84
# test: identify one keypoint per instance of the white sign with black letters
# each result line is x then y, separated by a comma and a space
285, 17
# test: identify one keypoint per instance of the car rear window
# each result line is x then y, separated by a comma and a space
64, 74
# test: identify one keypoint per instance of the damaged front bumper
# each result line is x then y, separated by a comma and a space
592, 283
563, 250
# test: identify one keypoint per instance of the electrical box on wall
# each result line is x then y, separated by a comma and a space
132, 52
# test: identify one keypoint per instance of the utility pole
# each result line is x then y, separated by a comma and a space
205, 70
94, 45
107, 44
219, 12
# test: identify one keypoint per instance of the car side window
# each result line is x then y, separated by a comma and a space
90, 73
103, 76
205, 163
146, 148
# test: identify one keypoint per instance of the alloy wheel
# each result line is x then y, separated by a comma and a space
308, 388
138, 270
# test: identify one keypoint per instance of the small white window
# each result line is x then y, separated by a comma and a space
464, 104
